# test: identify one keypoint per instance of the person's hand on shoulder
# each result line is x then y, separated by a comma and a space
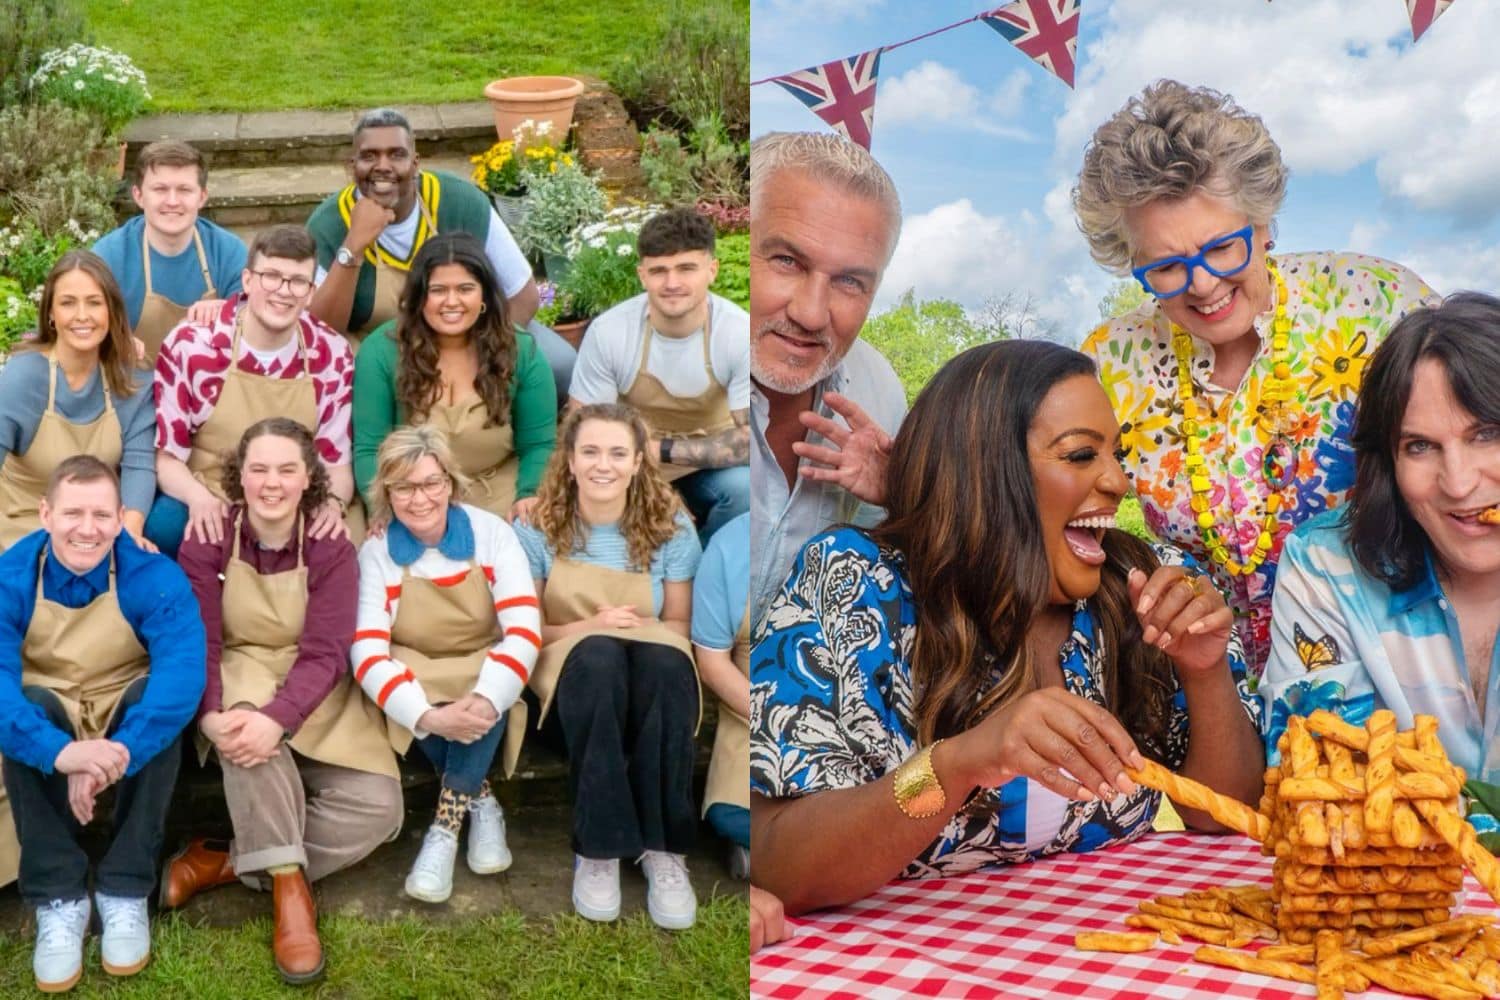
206, 514
329, 521
204, 311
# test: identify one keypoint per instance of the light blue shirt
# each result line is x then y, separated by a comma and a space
179, 278
722, 586
1344, 641
782, 517
676, 560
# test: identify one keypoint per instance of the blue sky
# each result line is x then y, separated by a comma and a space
1389, 143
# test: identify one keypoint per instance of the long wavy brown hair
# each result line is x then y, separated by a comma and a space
418, 382
117, 358
318, 487
651, 506
961, 509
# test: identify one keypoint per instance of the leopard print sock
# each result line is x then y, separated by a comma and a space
485, 792
451, 808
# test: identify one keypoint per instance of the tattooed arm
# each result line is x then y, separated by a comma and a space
716, 451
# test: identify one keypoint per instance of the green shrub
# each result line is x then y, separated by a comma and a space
707, 167
28, 28
556, 205
696, 63
733, 281
17, 313
51, 170
602, 275
667, 165
100, 81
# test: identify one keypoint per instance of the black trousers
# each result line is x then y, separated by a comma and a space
626, 710
53, 864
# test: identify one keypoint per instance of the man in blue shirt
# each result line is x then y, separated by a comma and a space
101, 667
171, 264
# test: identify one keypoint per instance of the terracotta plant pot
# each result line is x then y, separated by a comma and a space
572, 331
540, 98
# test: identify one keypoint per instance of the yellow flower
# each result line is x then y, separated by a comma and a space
1138, 421
1339, 362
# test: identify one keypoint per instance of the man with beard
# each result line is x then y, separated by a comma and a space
369, 233
824, 220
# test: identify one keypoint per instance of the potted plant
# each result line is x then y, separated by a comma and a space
601, 268
506, 170
558, 202
539, 98
99, 81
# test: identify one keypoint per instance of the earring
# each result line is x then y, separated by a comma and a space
1270, 245
482, 308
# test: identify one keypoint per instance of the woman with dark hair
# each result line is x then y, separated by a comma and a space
453, 359
77, 388
966, 683
1394, 601
309, 777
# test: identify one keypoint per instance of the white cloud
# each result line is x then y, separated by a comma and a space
934, 95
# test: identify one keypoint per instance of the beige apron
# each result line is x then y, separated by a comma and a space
574, 591
729, 770
443, 636
485, 454
389, 283
264, 615
678, 416
23, 478
159, 314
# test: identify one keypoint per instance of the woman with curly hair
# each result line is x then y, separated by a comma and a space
452, 359
448, 633
966, 684
613, 554
309, 777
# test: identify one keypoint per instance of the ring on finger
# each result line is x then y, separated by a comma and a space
1194, 584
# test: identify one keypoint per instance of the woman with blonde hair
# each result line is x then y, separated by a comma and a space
447, 635
1235, 381
76, 389
613, 554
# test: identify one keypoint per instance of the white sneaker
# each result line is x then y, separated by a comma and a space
669, 894
58, 959
596, 887
431, 878
488, 852
126, 943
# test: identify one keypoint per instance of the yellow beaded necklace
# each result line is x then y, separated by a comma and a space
1278, 389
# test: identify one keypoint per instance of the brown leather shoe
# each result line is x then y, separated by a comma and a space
299, 953
191, 870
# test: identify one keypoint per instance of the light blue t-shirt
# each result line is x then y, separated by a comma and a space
722, 586
676, 560
178, 278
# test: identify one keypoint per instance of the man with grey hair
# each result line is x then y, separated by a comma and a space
369, 233
824, 220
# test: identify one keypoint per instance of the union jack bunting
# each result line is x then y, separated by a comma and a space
842, 93
1423, 13
1047, 31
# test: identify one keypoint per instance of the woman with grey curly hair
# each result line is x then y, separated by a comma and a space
1234, 383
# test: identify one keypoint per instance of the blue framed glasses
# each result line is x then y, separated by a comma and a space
1171, 276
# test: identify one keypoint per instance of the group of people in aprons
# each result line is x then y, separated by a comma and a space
368, 551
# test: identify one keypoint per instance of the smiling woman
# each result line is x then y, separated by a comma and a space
966, 683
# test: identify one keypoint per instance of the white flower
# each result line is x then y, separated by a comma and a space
625, 250
77, 84
70, 61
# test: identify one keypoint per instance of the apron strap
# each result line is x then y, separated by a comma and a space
208, 282
239, 328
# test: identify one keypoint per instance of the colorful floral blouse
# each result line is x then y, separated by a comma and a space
832, 706
1341, 306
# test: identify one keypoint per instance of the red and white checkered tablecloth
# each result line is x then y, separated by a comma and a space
1008, 932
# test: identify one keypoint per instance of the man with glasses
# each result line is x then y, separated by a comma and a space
262, 355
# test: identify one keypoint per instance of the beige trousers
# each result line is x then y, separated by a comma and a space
293, 810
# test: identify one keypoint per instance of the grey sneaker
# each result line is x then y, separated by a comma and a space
58, 959
669, 894
126, 944
596, 887
487, 852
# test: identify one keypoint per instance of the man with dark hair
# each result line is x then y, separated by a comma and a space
101, 667
681, 356
369, 233
170, 263
261, 355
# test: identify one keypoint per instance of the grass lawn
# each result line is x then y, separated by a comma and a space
271, 54
496, 956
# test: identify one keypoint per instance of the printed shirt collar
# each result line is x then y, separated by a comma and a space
1425, 589
457, 542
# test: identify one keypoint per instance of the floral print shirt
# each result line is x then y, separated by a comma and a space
1341, 306
832, 706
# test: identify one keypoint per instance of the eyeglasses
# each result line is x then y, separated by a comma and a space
272, 281
1223, 257
433, 487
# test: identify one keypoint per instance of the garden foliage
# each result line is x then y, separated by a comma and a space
694, 64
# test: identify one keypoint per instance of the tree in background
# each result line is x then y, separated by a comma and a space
918, 338
1125, 295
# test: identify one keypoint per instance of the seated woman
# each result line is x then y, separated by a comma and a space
966, 683
309, 777
448, 633
1391, 601
76, 389
453, 360
721, 644
613, 553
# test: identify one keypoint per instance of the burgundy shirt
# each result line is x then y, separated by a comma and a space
332, 599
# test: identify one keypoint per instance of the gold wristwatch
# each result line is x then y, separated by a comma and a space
918, 792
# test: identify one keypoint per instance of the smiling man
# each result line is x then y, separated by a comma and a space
680, 355
169, 261
262, 355
101, 667
824, 220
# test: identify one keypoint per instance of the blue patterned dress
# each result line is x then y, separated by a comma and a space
832, 706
